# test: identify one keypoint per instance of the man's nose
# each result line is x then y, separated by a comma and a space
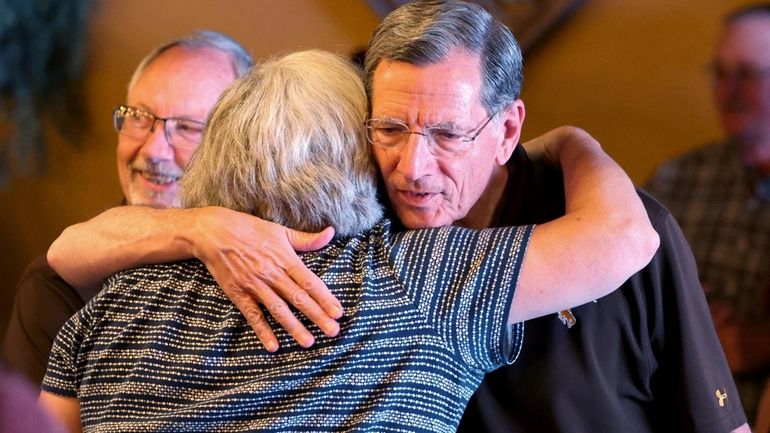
415, 157
156, 145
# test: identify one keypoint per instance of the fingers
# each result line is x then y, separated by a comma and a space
308, 281
265, 276
306, 292
276, 307
315, 301
283, 315
254, 317
310, 284
273, 288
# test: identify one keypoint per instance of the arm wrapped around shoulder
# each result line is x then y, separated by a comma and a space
604, 237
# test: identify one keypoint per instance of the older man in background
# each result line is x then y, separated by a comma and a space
720, 194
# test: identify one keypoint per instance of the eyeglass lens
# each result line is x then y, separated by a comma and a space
136, 123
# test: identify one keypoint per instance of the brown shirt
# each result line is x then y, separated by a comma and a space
44, 301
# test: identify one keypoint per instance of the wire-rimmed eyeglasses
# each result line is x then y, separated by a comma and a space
392, 134
138, 124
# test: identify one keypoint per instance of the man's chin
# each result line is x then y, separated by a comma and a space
155, 200
420, 220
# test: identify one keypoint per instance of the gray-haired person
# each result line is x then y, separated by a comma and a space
643, 359
427, 312
647, 355
160, 125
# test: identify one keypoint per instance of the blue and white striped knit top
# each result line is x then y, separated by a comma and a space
162, 348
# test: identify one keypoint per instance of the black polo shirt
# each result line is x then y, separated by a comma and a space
645, 358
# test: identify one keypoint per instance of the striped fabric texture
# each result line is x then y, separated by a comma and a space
162, 349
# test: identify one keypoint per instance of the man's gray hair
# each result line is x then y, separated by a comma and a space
286, 143
241, 59
424, 33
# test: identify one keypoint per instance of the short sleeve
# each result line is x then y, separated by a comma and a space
691, 377
463, 282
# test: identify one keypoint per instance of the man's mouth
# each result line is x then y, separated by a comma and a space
417, 198
158, 178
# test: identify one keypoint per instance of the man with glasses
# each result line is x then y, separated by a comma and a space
642, 359
720, 194
182, 135
180, 81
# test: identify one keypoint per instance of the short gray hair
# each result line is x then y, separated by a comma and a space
241, 59
424, 33
286, 143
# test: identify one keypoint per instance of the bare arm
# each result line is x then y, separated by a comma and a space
742, 429
252, 260
64, 409
604, 238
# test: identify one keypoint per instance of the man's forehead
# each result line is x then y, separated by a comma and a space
183, 82
190, 62
747, 39
450, 86
455, 64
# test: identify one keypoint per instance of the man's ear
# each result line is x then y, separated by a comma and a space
512, 119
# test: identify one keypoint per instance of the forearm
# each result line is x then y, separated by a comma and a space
600, 195
121, 238
251, 259
602, 240
66, 410
742, 429
598, 192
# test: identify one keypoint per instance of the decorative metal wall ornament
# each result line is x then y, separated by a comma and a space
529, 20
42, 52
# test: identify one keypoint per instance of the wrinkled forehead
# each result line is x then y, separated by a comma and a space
432, 93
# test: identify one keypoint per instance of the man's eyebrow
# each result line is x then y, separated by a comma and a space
443, 125
389, 119
439, 125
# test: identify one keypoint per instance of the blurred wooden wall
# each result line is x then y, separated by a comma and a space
632, 73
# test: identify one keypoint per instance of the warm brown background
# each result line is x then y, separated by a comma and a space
632, 73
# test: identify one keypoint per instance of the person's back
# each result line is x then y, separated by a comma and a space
419, 331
